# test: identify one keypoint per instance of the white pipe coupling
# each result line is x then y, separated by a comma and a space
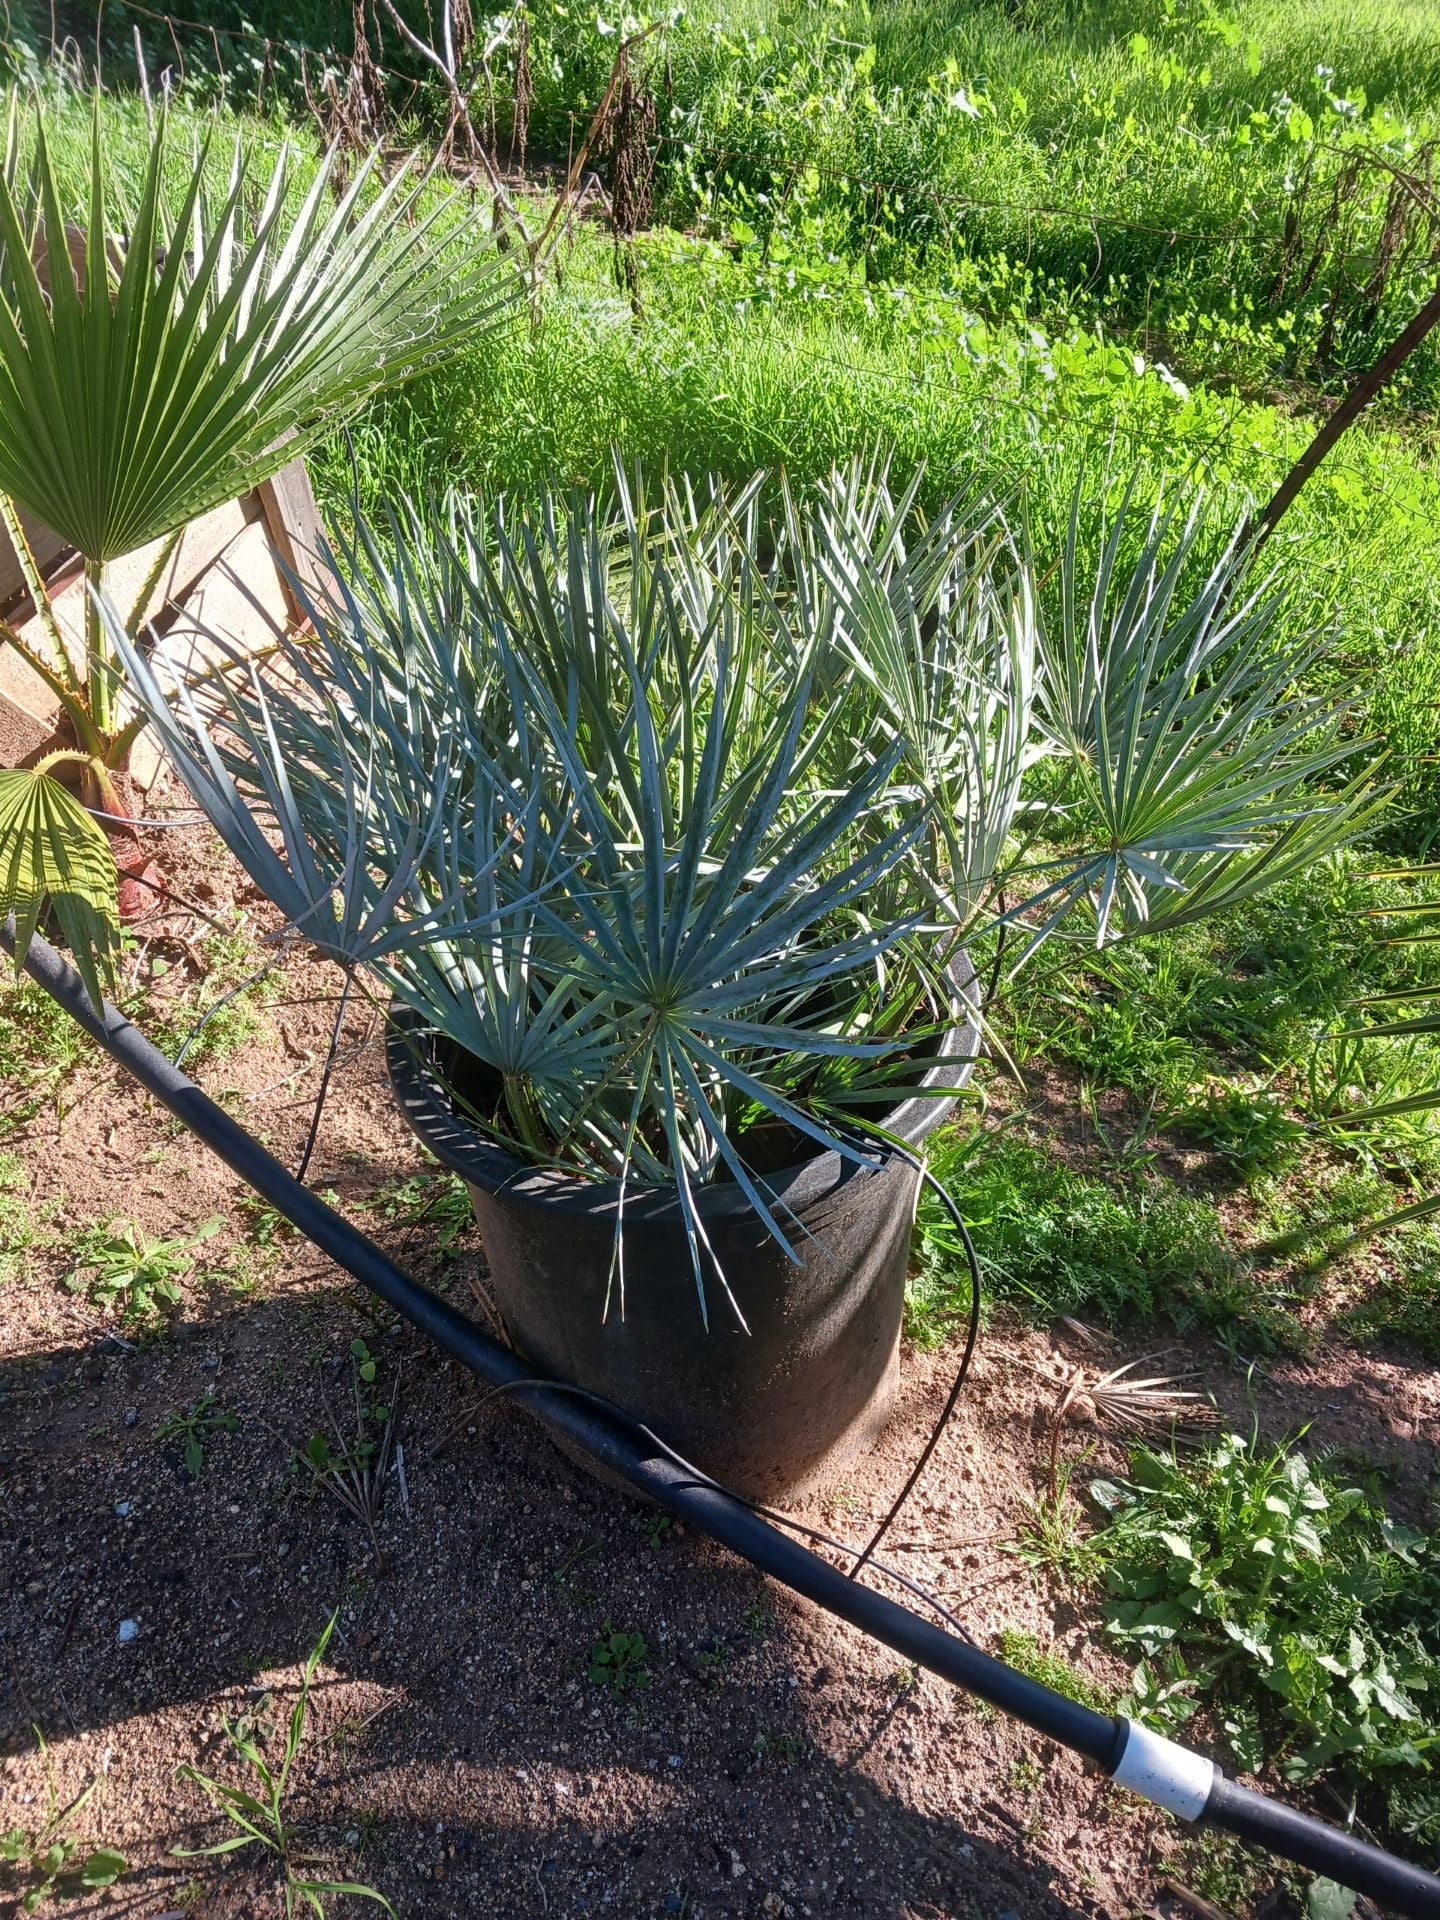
1165, 1772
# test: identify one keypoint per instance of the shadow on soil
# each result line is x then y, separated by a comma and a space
459, 1742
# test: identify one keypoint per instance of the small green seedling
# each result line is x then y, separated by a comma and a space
1051, 1538
261, 1819
440, 1202
656, 1526
119, 1268
50, 1863
265, 1226
196, 1427
566, 1585
1023, 1651
617, 1661
354, 1472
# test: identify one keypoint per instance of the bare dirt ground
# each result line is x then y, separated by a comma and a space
764, 1759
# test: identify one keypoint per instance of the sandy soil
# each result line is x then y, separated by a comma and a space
458, 1757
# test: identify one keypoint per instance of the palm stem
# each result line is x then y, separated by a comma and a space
98, 676
39, 593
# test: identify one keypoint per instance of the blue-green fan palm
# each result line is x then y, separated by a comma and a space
677, 809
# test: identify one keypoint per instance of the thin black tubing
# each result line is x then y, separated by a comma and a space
303, 1166
1267, 1823
972, 1334
611, 1438
772, 1514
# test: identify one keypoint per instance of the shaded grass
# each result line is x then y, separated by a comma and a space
1257, 993
40, 1046
1053, 1241
1222, 1040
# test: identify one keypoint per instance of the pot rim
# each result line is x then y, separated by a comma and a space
465, 1150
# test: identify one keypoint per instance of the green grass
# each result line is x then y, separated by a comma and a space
1230, 1032
1222, 1041
40, 1047
1132, 165
1055, 1241
202, 1013
17, 1221
1023, 1651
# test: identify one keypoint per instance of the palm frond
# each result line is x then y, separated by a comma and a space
1194, 769
670, 817
1423, 1022
52, 851
238, 326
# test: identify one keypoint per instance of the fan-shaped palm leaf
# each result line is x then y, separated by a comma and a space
51, 850
1194, 768
238, 325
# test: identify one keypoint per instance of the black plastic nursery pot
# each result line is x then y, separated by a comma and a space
771, 1412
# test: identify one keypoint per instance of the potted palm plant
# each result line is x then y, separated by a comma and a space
664, 827
183, 344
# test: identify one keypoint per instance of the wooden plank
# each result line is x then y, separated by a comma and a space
293, 521
226, 552
202, 542
240, 599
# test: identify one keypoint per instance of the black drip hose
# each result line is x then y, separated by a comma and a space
619, 1443
972, 1334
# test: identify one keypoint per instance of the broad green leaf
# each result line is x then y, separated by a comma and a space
102, 1868
1328, 1900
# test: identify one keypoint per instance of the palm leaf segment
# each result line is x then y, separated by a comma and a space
51, 849
583, 763
239, 325
1404, 1013
1192, 763
139, 391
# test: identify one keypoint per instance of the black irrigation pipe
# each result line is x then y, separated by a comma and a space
1186, 1783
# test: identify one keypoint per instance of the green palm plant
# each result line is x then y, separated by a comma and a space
141, 387
676, 811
